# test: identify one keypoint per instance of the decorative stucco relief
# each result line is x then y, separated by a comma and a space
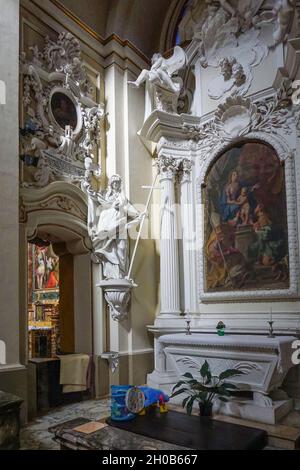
62, 121
231, 36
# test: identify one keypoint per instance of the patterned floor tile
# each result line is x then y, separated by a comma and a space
35, 435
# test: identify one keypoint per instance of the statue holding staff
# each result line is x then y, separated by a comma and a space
110, 214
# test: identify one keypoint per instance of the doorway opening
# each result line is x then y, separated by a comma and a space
43, 301
54, 325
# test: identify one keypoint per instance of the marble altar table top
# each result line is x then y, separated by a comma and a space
281, 345
250, 341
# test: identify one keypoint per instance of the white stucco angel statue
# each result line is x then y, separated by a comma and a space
110, 214
163, 71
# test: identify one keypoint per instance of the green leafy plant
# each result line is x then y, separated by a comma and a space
209, 388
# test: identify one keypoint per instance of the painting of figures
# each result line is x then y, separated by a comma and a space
46, 268
63, 110
246, 235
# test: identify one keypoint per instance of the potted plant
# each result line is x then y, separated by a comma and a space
207, 390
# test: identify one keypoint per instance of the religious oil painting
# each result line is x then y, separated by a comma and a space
44, 271
246, 233
63, 110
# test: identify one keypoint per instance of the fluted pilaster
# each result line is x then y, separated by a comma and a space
188, 236
169, 259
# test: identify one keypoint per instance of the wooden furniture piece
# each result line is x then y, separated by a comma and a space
9, 421
45, 373
167, 431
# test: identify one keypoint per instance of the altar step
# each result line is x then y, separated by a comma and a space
279, 435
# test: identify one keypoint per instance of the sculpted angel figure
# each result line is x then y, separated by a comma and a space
163, 70
110, 214
281, 15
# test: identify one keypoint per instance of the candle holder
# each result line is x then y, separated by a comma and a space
188, 327
271, 331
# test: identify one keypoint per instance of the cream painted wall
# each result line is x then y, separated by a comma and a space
127, 156
83, 304
139, 21
138, 173
93, 12
143, 24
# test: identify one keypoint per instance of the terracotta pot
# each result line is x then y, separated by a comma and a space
205, 409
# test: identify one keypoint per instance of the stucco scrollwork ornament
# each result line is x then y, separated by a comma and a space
227, 34
64, 55
237, 17
238, 116
236, 53
62, 121
232, 79
163, 80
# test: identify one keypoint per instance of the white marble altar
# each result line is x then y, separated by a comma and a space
265, 362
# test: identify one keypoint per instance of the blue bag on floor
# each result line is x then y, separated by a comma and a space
119, 411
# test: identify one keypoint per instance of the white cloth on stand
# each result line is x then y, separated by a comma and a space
73, 372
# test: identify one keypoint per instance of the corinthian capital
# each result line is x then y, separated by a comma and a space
167, 167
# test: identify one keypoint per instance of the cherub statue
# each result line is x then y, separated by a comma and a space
280, 15
283, 11
110, 214
163, 70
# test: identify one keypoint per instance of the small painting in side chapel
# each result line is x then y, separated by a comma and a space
63, 110
46, 272
246, 234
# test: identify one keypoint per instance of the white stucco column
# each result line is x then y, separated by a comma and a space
189, 245
169, 261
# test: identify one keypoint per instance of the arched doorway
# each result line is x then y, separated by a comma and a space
57, 309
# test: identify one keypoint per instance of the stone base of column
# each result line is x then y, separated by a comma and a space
174, 313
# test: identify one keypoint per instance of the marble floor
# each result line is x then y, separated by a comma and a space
35, 435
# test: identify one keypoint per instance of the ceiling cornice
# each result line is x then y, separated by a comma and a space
105, 46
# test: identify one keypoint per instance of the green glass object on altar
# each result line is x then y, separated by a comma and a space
221, 328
